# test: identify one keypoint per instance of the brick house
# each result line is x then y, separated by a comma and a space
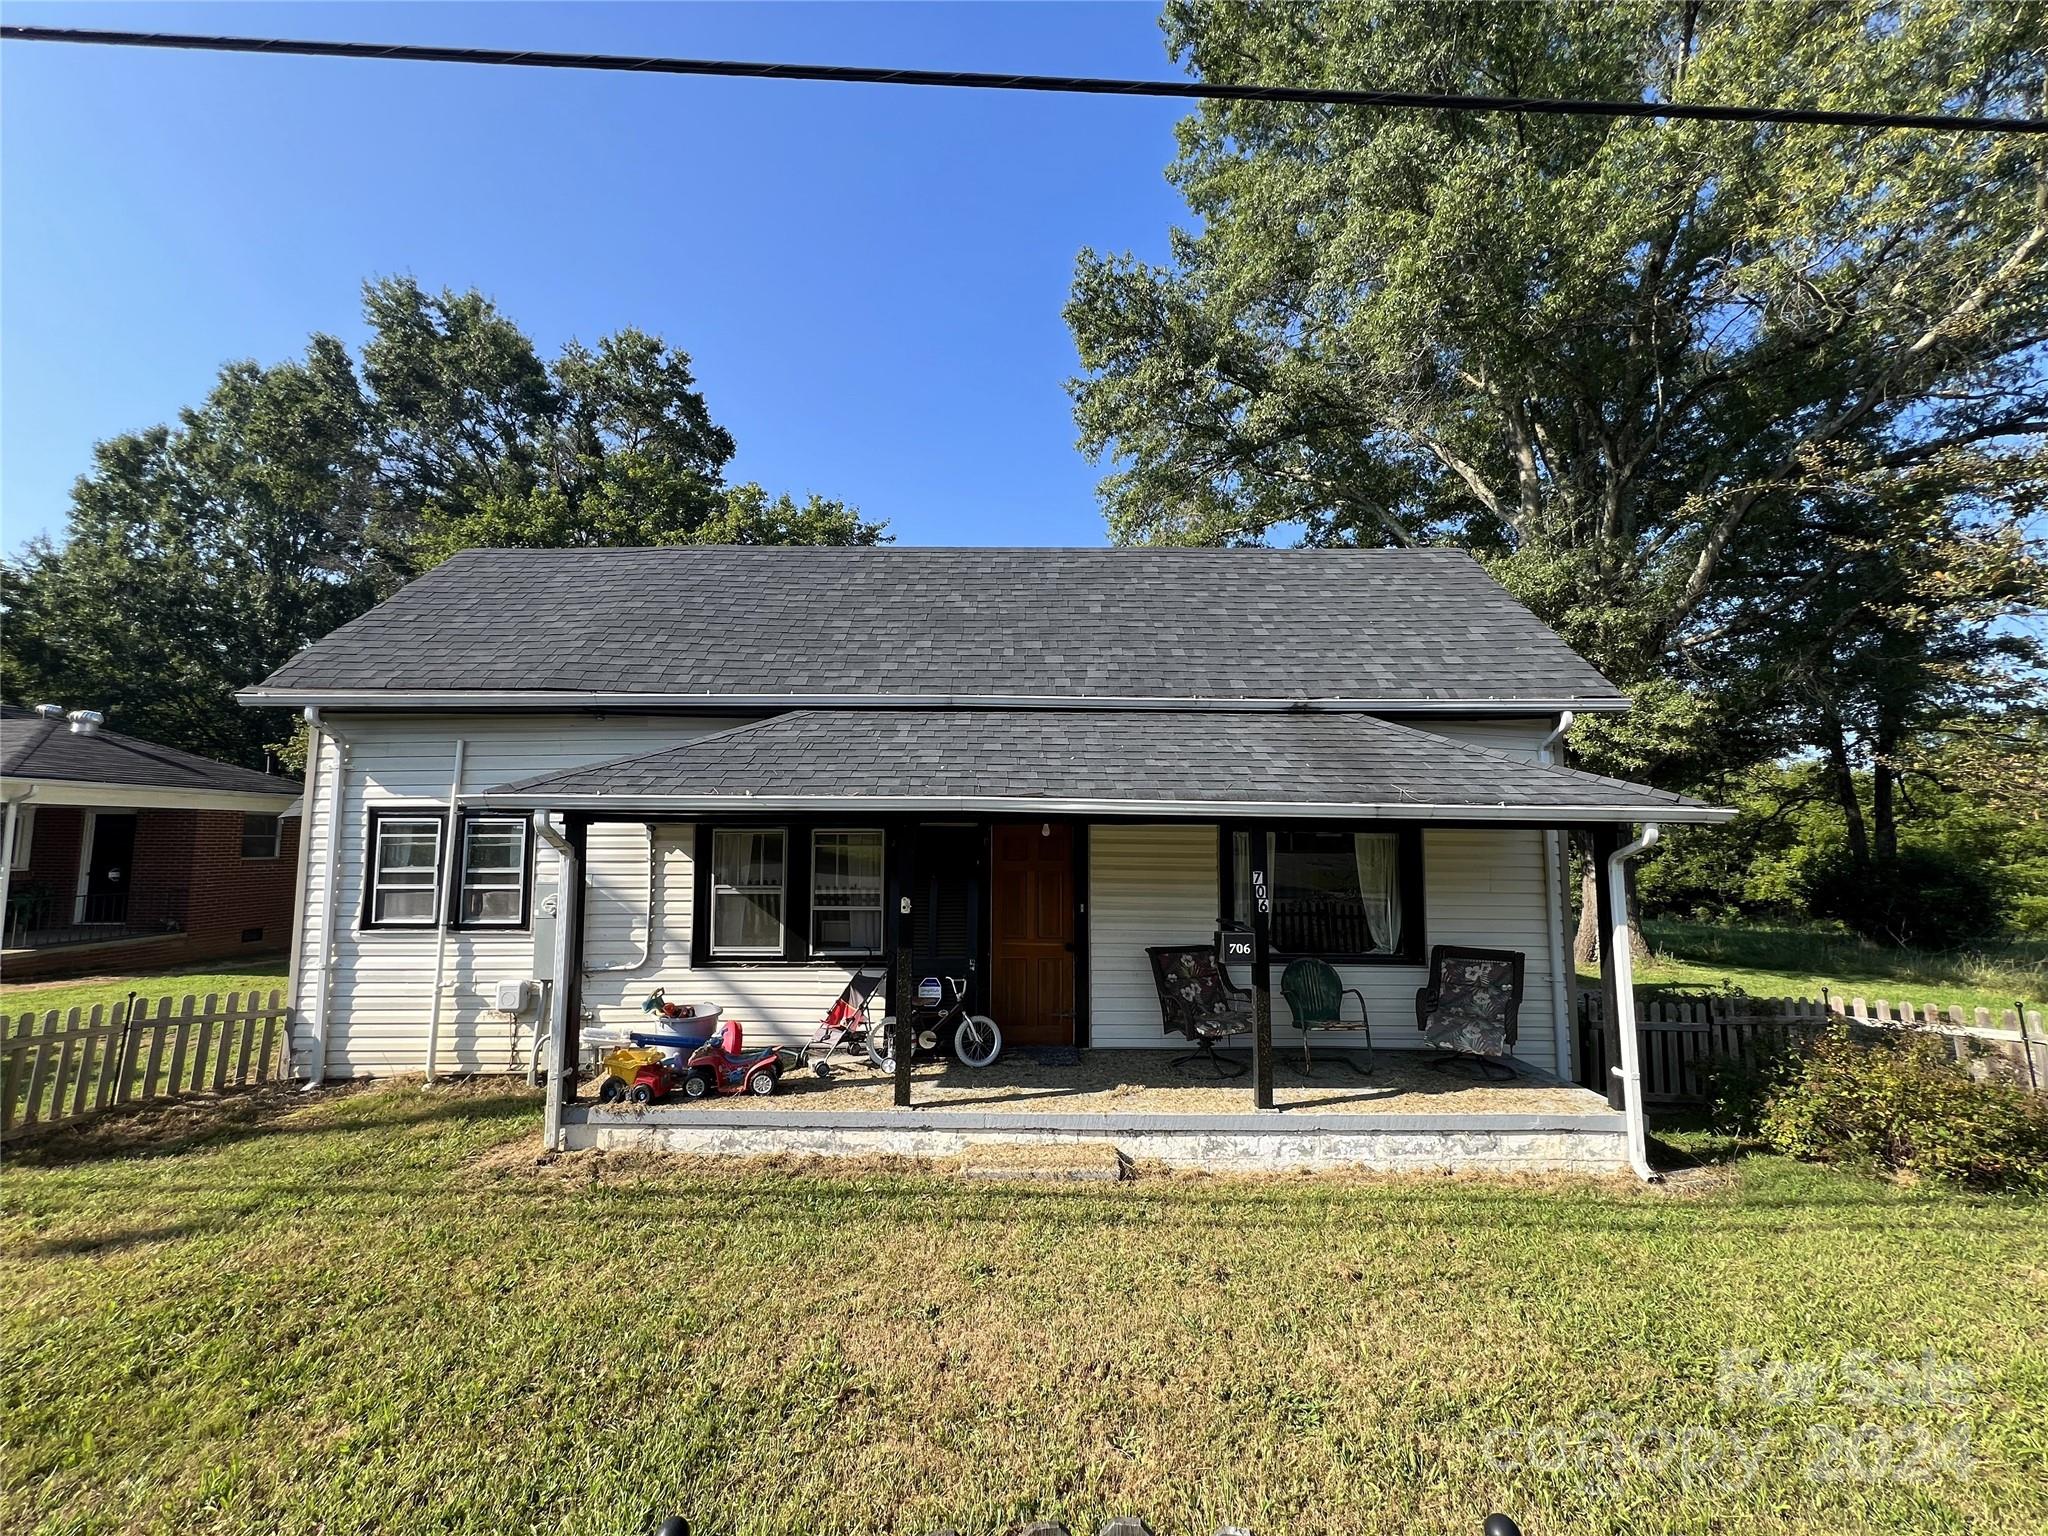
121, 853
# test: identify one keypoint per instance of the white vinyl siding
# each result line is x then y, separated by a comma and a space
775, 1004
1150, 884
382, 979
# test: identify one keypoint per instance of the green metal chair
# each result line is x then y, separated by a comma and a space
1315, 995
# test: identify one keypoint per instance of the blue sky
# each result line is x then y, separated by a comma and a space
868, 278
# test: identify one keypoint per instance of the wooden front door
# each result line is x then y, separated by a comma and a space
1031, 933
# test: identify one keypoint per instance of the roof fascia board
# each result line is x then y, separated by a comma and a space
1203, 810
542, 699
145, 797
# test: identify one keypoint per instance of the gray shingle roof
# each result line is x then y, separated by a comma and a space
1341, 764
32, 747
829, 626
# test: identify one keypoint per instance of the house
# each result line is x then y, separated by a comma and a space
122, 853
763, 769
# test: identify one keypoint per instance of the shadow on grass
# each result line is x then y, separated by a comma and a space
171, 1127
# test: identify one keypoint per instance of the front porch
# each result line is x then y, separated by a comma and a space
1402, 1116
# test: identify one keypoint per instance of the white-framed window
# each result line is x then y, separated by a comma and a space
749, 890
24, 837
262, 836
846, 891
405, 869
493, 889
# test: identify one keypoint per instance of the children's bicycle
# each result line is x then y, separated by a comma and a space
940, 1023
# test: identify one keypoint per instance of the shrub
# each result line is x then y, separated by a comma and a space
1895, 1098
1923, 898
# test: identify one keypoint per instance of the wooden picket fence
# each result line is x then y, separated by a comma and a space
57, 1067
1679, 1037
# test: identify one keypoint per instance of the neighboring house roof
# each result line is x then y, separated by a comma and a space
49, 754
1107, 761
781, 627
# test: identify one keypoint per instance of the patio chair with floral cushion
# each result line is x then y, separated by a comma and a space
1470, 1007
1197, 999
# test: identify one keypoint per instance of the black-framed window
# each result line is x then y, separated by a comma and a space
1339, 893
846, 891
262, 836
495, 878
404, 864
749, 891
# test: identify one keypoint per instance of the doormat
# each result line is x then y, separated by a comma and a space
1050, 1055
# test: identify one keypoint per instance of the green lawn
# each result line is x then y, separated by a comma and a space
37, 996
1793, 962
372, 1312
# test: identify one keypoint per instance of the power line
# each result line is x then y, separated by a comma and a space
1085, 85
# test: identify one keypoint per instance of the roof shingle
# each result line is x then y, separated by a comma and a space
1337, 763
32, 747
827, 625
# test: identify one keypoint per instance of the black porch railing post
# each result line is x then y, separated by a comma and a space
906, 984
1262, 976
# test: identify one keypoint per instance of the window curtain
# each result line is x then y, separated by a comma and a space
1379, 887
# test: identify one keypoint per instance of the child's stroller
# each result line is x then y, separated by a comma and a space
850, 1026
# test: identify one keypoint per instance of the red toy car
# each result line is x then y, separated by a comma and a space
723, 1065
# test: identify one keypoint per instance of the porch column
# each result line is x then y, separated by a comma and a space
7, 858
561, 1026
1605, 841
1262, 974
905, 988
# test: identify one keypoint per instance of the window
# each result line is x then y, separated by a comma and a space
405, 870
262, 836
24, 836
493, 892
1346, 894
748, 886
846, 891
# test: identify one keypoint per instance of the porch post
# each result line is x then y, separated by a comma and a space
7, 859
1262, 974
1605, 841
568, 914
906, 984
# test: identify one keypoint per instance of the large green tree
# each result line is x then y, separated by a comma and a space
198, 557
1630, 363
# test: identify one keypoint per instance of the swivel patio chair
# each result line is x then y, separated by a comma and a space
1315, 995
1470, 1008
1197, 999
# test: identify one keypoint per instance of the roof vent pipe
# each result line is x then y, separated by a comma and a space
50, 711
85, 721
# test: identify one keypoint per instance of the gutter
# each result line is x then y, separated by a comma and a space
1555, 884
775, 703
1028, 806
323, 989
1630, 1071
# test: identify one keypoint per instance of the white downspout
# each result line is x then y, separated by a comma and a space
1630, 1071
1561, 977
449, 889
568, 884
323, 986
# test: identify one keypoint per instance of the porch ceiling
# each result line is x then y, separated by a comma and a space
1143, 763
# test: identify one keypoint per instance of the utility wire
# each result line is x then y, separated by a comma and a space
846, 74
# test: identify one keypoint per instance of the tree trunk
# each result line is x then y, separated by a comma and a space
1586, 941
1843, 779
1884, 818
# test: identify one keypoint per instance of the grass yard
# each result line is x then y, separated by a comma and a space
373, 1312
39, 996
1795, 962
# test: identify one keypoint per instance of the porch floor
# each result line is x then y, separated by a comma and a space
1403, 1116
1146, 1083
